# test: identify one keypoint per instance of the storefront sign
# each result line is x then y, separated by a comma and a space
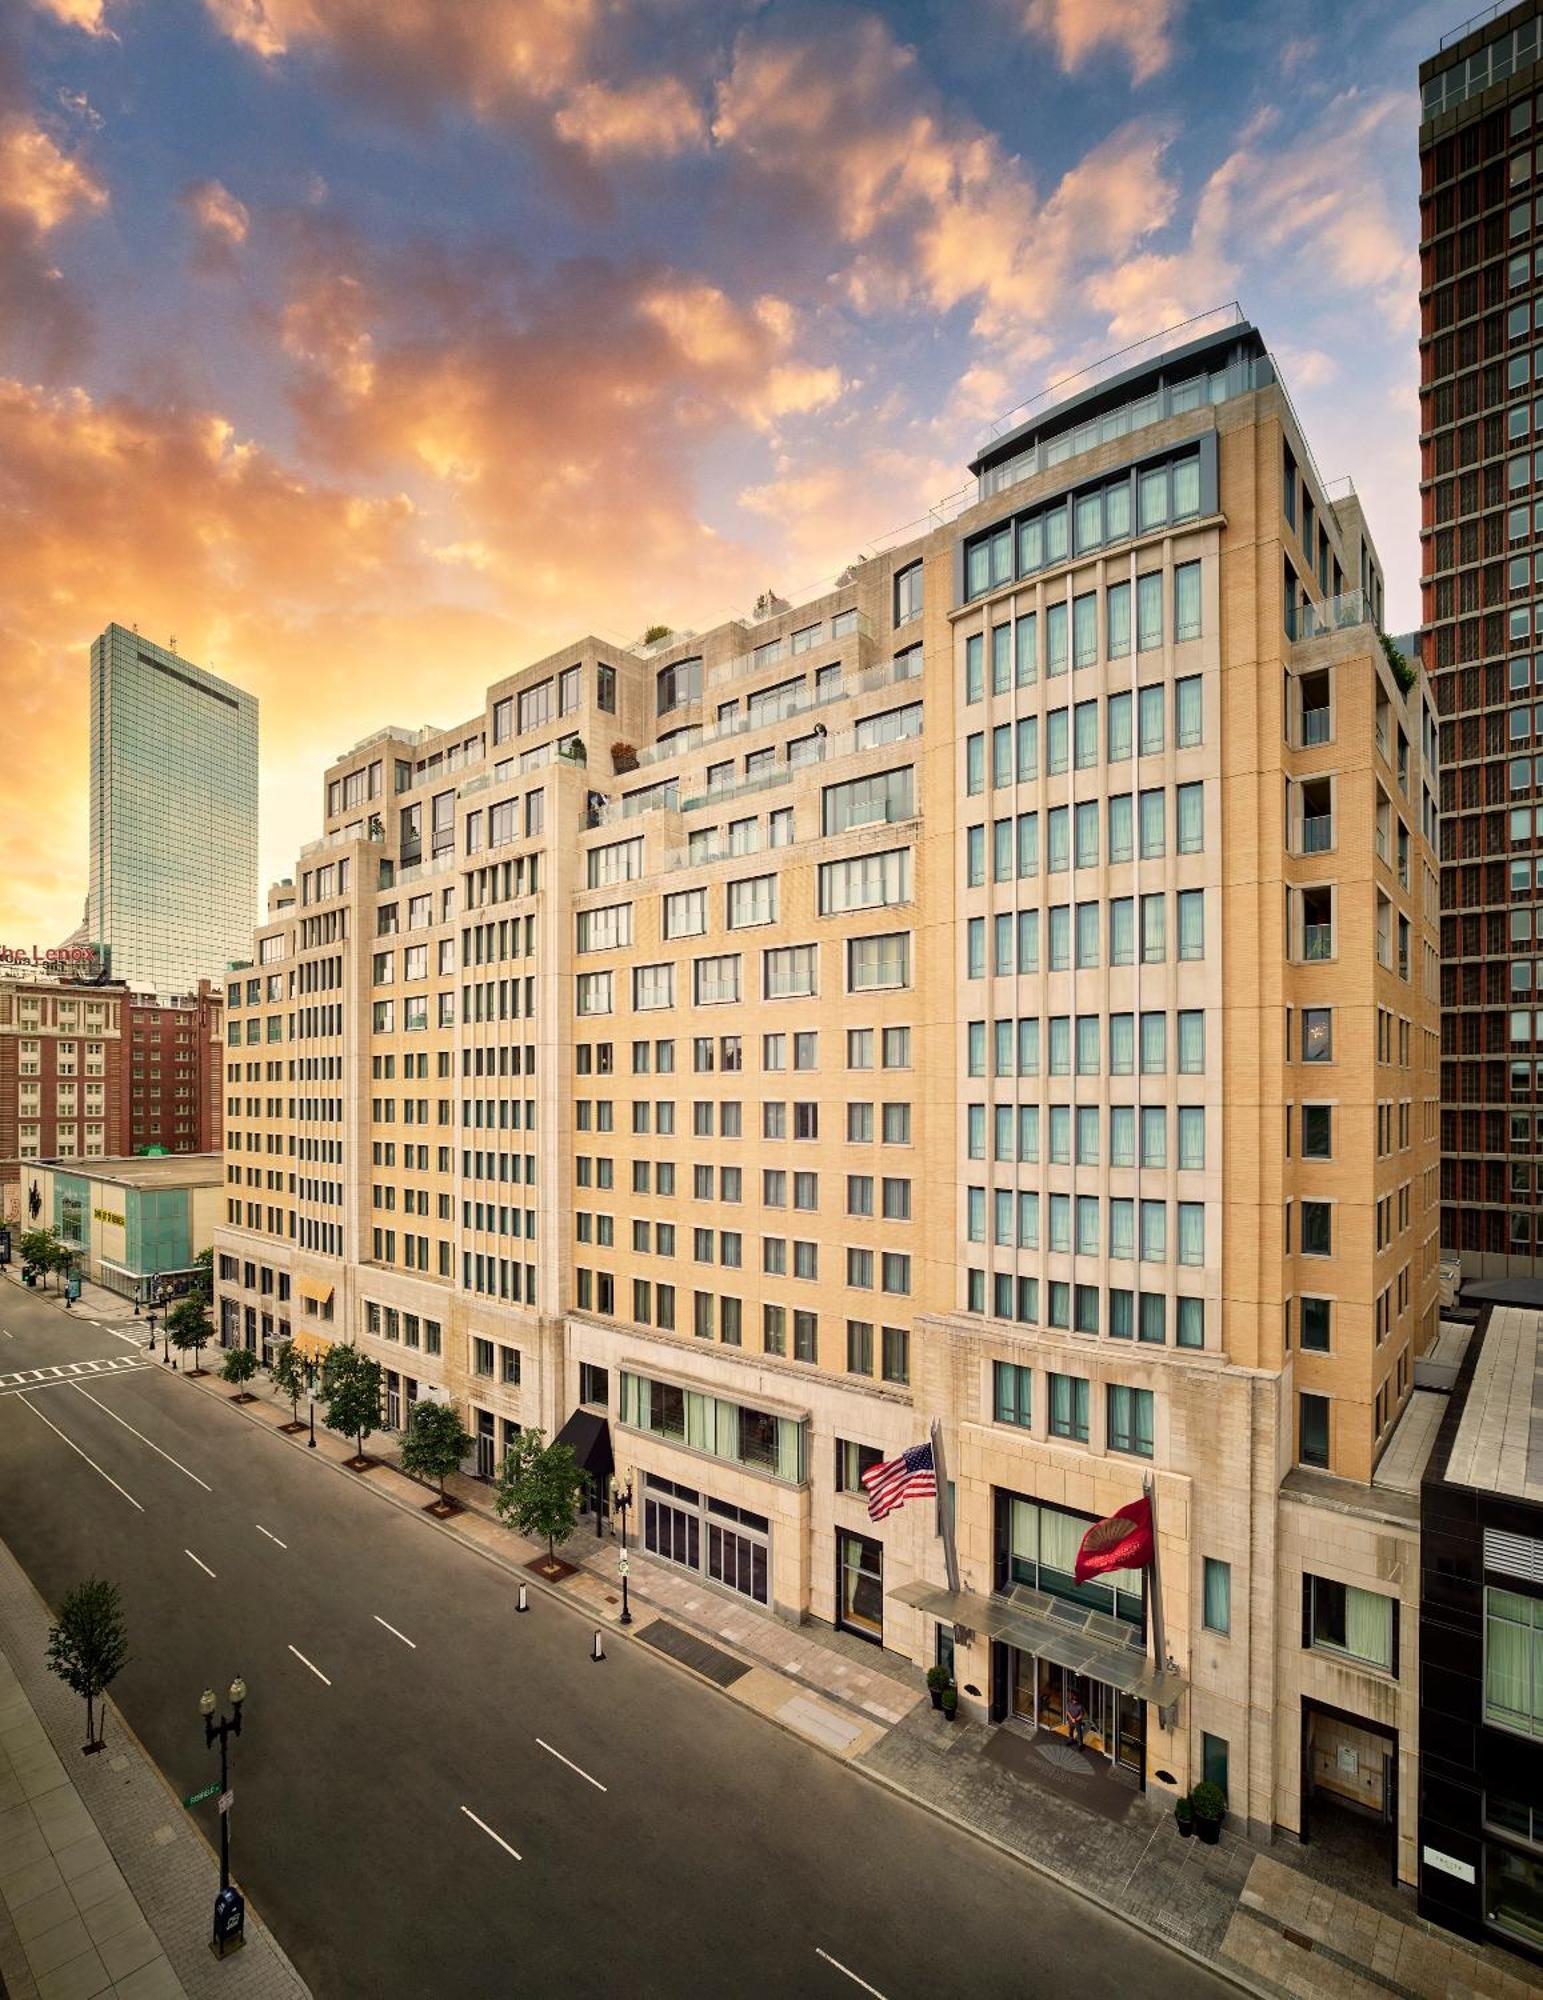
107, 1215
74, 958
1463, 1870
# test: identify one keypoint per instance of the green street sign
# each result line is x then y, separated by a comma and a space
197, 1798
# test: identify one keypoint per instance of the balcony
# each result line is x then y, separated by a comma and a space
763, 781
1317, 942
1316, 727
1335, 614
775, 651
1317, 833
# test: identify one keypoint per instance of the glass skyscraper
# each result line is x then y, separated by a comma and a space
173, 894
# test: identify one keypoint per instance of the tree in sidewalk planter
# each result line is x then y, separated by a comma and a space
350, 1387
189, 1327
433, 1445
203, 1282
540, 1491
89, 1647
38, 1248
290, 1379
239, 1367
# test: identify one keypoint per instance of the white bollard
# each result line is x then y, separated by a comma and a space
599, 1650
523, 1604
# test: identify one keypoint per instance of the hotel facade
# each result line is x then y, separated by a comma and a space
1003, 991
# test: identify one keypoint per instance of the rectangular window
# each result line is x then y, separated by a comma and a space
1129, 1420
1313, 1429
1012, 1388
878, 964
790, 972
1217, 1595
1340, 1618
1186, 602
1069, 1407
1513, 1661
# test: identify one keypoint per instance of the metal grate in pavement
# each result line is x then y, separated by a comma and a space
693, 1652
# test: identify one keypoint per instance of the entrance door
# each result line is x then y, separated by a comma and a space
393, 1400
487, 1445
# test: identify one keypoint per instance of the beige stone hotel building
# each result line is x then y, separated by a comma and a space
1001, 990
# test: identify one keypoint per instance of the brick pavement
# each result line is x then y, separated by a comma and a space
106, 1888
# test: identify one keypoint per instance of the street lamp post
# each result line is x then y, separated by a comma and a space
229, 1909
166, 1338
621, 1500
150, 1343
310, 1384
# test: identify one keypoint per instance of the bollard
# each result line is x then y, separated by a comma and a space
522, 1603
599, 1650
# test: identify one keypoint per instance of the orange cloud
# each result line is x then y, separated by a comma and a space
487, 56
42, 322
219, 216
656, 116
88, 15
41, 184
1141, 29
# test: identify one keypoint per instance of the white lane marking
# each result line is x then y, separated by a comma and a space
201, 1563
106, 1412
877, 1995
308, 1663
80, 1454
396, 1634
272, 1537
128, 1339
491, 1834
570, 1763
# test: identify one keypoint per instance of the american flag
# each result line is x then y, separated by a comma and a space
897, 1480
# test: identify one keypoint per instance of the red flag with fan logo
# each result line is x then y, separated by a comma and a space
1124, 1541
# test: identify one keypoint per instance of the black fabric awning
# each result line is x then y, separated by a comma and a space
589, 1437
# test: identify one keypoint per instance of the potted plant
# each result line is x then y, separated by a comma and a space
624, 757
937, 1681
950, 1702
1184, 1816
1209, 1803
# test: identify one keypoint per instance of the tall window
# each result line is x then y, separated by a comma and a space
908, 593
1012, 1388
1129, 1416
1513, 1661
1217, 1595
1339, 1618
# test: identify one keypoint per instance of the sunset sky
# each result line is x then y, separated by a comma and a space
374, 347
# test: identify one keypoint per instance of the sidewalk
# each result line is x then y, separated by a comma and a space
105, 1886
1260, 1918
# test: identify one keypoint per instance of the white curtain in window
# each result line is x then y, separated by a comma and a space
1512, 1692
1192, 1042
1122, 1044
1191, 1232
1191, 805
1122, 1228
1369, 1626
1192, 923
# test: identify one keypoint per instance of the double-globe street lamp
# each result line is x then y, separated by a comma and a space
229, 1909
621, 1500
310, 1386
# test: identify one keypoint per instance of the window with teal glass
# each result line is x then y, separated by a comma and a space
1012, 1394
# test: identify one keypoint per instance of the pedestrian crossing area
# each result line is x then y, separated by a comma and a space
68, 1371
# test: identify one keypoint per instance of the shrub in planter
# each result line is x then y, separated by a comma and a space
1184, 1817
937, 1681
950, 1702
624, 757
1209, 1803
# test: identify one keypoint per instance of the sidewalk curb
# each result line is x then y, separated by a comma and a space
885, 1783
184, 1812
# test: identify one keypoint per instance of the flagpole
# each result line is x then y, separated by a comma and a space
1155, 1590
945, 1509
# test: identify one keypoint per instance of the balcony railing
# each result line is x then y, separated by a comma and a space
1335, 614
773, 652
1317, 942
1317, 833
762, 781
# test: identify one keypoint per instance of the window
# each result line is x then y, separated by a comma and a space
715, 980
653, 986
896, 1354
605, 929
877, 964
1069, 1407
1513, 1661
869, 881
1217, 1595
1129, 1420
1012, 1394
1317, 1034
752, 901
685, 912
790, 972
1317, 1229
1313, 1429
1339, 1618
1186, 601
678, 685
908, 593
1313, 1325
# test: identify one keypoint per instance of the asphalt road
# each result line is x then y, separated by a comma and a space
436, 1796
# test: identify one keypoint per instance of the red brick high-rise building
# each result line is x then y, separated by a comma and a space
170, 1080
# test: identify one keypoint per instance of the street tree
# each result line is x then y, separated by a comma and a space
189, 1326
63, 1257
540, 1488
203, 1279
239, 1367
290, 1379
434, 1443
351, 1386
89, 1647
37, 1249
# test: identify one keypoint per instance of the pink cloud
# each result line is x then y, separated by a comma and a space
1142, 30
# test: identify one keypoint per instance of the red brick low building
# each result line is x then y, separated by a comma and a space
89, 1070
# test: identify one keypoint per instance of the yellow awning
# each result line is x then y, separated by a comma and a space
309, 1346
315, 1290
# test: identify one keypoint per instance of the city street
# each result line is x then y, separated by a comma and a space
433, 1794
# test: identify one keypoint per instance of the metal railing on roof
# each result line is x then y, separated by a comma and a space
1110, 365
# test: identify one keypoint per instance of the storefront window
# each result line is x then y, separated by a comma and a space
1042, 1544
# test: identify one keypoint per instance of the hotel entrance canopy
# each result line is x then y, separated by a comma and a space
1088, 1642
